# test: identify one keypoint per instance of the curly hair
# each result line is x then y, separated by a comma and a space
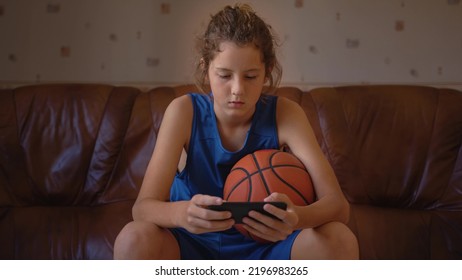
240, 25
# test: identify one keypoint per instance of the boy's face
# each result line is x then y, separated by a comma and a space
237, 76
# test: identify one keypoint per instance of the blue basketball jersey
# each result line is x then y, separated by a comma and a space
208, 162
207, 166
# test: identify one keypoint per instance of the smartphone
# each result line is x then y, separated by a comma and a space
239, 210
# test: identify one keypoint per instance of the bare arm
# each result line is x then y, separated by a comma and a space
294, 130
153, 204
157, 181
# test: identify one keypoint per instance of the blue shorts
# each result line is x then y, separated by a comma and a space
230, 245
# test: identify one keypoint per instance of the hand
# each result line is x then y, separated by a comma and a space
272, 229
196, 218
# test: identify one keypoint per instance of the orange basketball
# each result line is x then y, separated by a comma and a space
257, 175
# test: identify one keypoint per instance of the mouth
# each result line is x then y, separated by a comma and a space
236, 103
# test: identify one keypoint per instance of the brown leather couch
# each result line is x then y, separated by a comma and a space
72, 158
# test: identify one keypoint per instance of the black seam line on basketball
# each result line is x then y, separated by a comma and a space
266, 168
285, 182
248, 177
261, 174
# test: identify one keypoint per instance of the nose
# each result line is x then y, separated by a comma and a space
238, 87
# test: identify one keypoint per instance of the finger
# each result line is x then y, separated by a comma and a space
278, 197
275, 196
203, 212
270, 225
269, 222
198, 225
262, 231
210, 214
275, 211
205, 200
287, 217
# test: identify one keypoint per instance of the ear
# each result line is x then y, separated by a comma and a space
202, 63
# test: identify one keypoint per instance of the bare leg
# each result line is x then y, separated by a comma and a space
330, 241
141, 240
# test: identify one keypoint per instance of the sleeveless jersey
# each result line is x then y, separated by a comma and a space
208, 162
207, 165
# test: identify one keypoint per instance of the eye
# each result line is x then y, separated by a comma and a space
251, 77
224, 77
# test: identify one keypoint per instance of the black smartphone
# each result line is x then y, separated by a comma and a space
239, 210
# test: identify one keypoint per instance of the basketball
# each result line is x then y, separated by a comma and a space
257, 175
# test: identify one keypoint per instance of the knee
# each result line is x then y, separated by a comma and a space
333, 240
341, 243
139, 240
128, 239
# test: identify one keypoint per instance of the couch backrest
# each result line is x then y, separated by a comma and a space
397, 146
393, 146
73, 144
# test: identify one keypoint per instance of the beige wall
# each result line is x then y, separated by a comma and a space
149, 42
